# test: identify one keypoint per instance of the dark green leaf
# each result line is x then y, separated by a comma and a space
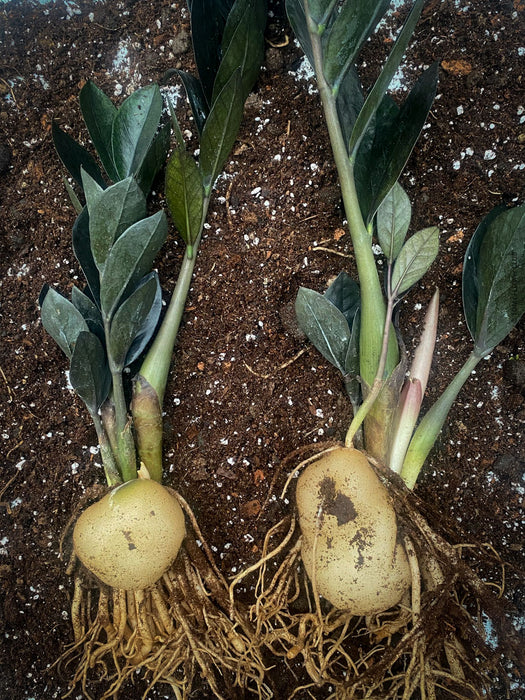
75, 157
61, 320
393, 220
208, 18
155, 158
345, 295
112, 212
352, 26
198, 103
130, 318
236, 15
82, 250
147, 330
130, 259
372, 157
89, 373
90, 312
325, 326
500, 271
134, 128
383, 81
243, 45
221, 128
185, 195
395, 143
470, 283
99, 112
415, 258
349, 102
297, 19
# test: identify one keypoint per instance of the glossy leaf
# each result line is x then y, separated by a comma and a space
372, 157
83, 253
208, 18
471, 281
393, 220
134, 128
242, 45
297, 19
130, 258
345, 295
89, 373
155, 158
61, 319
197, 99
415, 258
185, 195
221, 128
99, 112
500, 271
397, 139
352, 26
379, 88
75, 157
134, 322
112, 212
349, 103
325, 326
89, 310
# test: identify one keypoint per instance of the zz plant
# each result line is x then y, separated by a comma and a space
377, 575
139, 558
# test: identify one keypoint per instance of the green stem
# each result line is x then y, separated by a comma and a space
378, 383
124, 452
156, 364
108, 458
373, 311
428, 430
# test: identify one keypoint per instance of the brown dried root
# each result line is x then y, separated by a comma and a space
180, 628
431, 646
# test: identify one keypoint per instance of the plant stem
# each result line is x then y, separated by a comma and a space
155, 367
124, 450
377, 385
126, 456
108, 458
373, 312
428, 430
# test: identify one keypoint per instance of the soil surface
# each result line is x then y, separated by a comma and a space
246, 389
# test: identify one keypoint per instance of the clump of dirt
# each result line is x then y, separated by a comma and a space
246, 389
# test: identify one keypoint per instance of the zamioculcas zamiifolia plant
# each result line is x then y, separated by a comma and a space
374, 565
147, 591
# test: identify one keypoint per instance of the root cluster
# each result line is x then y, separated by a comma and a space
431, 646
190, 626
176, 631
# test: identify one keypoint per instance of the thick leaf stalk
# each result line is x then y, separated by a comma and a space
156, 364
373, 307
428, 430
147, 424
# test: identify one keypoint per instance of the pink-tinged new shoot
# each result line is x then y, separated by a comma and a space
414, 388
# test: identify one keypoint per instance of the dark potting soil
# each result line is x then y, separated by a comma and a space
246, 388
